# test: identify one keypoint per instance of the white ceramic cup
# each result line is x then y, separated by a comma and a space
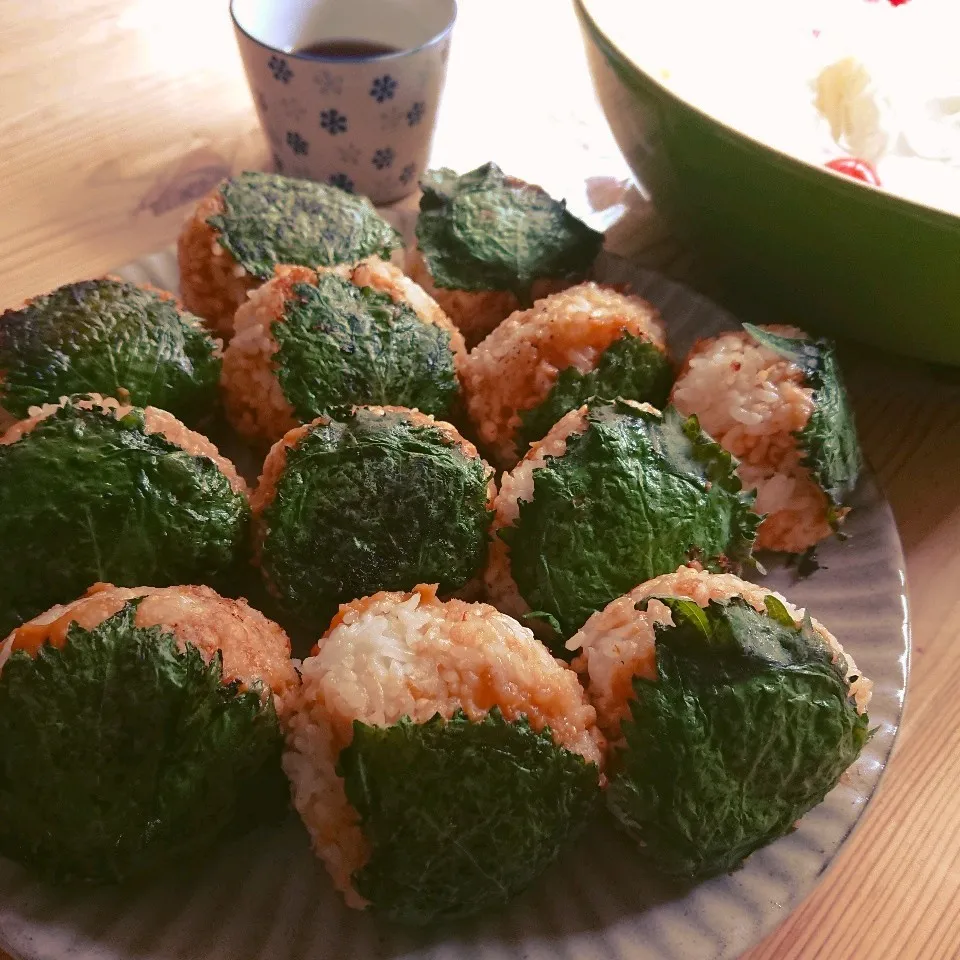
363, 123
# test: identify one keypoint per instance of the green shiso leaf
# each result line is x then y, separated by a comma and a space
460, 815
747, 727
777, 611
339, 344
269, 220
108, 337
829, 440
87, 498
372, 503
630, 367
486, 231
634, 496
541, 616
120, 755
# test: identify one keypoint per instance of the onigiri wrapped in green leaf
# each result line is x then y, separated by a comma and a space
614, 494
138, 727
109, 337
489, 244
440, 757
586, 341
313, 342
379, 498
95, 490
730, 714
775, 398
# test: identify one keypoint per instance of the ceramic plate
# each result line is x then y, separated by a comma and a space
266, 898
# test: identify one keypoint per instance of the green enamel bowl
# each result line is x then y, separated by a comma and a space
785, 241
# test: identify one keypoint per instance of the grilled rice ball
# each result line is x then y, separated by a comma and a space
440, 757
381, 498
92, 489
489, 244
137, 727
776, 400
730, 713
588, 341
110, 337
310, 342
614, 494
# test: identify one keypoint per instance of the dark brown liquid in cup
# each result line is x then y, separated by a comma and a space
345, 47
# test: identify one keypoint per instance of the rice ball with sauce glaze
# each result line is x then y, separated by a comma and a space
489, 244
137, 727
614, 494
311, 342
588, 341
775, 399
730, 714
110, 337
382, 498
93, 489
440, 757
250, 224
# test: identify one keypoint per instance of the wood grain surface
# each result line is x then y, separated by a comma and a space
115, 115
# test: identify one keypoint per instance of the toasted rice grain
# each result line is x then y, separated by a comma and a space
617, 643
408, 654
253, 398
212, 283
155, 421
753, 401
254, 648
515, 368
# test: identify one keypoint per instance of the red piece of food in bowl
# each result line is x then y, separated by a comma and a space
855, 167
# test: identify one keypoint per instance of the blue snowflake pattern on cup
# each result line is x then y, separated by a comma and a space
406, 174
383, 88
383, 158
333, 121
297, 144
415, 113
278, 67
342, 181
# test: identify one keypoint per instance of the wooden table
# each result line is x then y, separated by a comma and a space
115, 114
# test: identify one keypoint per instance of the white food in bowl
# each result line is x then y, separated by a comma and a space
819, 80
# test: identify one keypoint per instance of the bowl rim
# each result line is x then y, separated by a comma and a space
824, 175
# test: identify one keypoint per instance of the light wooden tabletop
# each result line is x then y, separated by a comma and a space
115, 113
